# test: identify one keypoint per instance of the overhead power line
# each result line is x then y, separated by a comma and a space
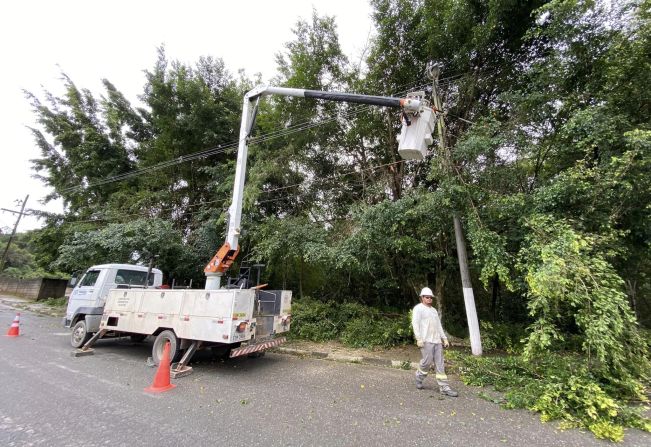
224, 200
227, 147
175, 161
299, 127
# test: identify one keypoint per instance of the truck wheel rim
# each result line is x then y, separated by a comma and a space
78, 335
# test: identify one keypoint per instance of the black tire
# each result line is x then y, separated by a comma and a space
159, 345
137, 338
79, 335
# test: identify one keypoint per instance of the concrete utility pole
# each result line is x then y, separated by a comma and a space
468, 295
13, 233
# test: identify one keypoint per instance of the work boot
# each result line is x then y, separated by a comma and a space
419, 384
449, 392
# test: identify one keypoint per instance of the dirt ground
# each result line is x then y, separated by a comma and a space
409, 353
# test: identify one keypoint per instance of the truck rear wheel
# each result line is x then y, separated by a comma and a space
79, 335
159, 345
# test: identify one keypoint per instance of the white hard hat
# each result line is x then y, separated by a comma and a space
426, 292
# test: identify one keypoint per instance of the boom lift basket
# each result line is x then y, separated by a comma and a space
416, 134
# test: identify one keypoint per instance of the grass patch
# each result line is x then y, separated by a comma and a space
56, 302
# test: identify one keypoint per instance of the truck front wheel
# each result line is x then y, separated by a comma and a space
79, 335
159, 345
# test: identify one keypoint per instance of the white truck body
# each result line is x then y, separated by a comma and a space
224, 316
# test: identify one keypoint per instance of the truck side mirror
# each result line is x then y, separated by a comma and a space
416, 134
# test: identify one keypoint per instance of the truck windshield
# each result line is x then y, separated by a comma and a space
90, 278
133, 278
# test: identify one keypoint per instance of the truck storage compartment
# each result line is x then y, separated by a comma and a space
267, 302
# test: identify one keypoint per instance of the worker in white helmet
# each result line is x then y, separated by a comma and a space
430, 338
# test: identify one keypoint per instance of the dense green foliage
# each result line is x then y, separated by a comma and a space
546, 160
353, 324
22, 256
559, 387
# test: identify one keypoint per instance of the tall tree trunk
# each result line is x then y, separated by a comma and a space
495, 292
631, 288
439, 290
300, 278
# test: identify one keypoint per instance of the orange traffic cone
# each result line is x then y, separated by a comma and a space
14, 330
162, 377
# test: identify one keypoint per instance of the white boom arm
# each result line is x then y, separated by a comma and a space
414, 138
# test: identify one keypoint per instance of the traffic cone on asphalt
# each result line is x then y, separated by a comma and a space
14, 330
162, 377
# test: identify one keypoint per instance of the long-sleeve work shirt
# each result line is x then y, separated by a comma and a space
427, 324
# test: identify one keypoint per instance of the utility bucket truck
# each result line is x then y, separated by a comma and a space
240, 321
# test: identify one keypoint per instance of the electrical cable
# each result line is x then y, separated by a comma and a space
224, 147
299, 127
372, 168
225, 199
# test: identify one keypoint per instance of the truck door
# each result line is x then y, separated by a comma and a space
110, 281
84, 294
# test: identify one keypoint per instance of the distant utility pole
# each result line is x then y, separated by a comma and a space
468, 295
13, 233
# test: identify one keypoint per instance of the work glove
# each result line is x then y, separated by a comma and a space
419, 343
446, 343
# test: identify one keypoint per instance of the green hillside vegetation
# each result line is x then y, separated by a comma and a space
548, 153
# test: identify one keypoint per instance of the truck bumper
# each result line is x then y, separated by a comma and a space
66, 322
263, 346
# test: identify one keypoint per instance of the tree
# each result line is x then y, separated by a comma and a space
572, 284
100, 155
134, 242
84, 147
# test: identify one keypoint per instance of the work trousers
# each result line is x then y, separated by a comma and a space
432, 353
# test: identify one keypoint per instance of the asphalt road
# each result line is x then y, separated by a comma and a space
49, 398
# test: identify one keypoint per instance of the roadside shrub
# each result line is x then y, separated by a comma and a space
368, 332
314, 320
501, 336
353, 324
56, 302
28, 272
350, 311
559, 388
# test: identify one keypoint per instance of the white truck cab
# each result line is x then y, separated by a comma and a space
87, 300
